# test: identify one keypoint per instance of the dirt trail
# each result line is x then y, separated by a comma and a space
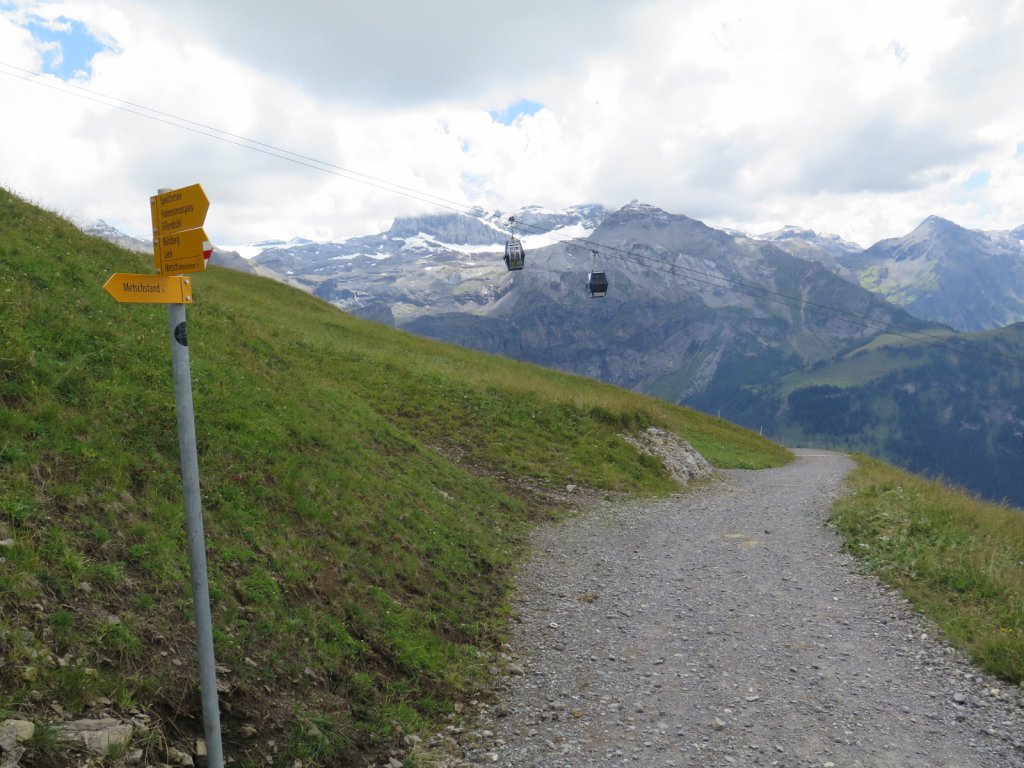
724, 627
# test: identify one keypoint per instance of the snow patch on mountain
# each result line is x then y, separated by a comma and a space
832, 244
101, 229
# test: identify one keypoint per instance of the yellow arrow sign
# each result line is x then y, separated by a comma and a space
149, 289
178, 209
183, 252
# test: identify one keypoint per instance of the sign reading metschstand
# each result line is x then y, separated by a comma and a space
149, 289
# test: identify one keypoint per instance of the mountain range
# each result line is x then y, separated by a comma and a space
967, 279
805, 336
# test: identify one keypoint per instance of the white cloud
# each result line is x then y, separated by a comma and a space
857, 118
387, 53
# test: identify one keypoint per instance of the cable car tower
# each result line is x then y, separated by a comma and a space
514, 254
597, 281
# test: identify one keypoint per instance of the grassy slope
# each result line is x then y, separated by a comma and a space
887, 353
365, 493
960, 560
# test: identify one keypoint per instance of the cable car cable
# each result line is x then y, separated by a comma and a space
234, 139
863, 321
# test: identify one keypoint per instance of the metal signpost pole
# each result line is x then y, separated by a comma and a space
184, 215
196, 537
180, 246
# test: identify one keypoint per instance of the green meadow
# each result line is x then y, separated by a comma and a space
366, 496
365, 493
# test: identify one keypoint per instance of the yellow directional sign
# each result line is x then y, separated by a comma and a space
149, 289
187, 251
178, 209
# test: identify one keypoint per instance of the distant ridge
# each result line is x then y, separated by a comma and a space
968, 279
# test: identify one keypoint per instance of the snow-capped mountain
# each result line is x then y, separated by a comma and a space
825, 248
431, 264
833, 244
99, 228
451, 262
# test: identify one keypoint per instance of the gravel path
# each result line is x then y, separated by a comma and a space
725, 627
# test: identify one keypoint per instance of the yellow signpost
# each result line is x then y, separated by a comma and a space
178, 210
149, 289
183, 252
179, 242
180, 245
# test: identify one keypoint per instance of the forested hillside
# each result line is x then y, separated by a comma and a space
942, 409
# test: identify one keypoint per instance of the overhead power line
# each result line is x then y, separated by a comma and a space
238, 140
465, 209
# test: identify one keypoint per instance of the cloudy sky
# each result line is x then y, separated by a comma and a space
327, 118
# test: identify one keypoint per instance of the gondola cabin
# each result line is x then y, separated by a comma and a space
515, 257
597, 284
